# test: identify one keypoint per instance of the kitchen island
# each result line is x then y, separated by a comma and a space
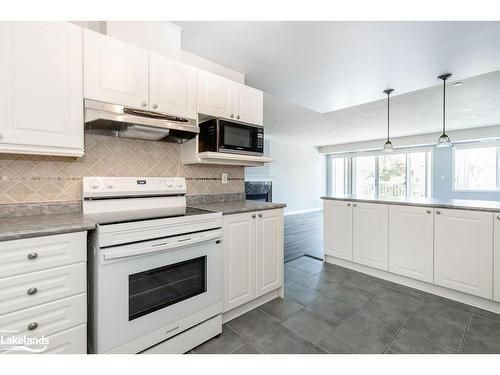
446, 247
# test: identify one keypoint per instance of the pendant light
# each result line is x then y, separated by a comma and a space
444, 140
388, 145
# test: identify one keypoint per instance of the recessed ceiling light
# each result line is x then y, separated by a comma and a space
458, 83
471, 117
467, 109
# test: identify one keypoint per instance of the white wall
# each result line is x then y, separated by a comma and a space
298, 174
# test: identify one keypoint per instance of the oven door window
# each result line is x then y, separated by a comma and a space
164, 286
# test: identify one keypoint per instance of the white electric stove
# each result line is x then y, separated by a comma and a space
154, 266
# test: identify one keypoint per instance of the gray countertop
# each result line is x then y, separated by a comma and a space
16, 227
464, 204
235, 207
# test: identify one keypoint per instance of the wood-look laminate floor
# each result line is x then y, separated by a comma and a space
304, 235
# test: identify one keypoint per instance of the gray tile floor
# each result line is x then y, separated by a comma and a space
330, 309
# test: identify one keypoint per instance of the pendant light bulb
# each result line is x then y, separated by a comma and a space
444, 140
388, 147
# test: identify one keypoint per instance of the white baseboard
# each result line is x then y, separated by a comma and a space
304, 211
240, 310
468, 299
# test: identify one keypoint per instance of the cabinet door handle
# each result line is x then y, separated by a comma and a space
438, 212
144, 103
232, 115
348, 205
32, 291
32, 255
498, 217
155, 106
32, 326
260, 215
355, 205
428, 211
238, 117
253, 216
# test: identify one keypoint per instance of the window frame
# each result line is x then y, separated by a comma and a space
349, 169
468, 146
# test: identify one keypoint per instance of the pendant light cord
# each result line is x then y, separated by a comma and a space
444, 105
388, 111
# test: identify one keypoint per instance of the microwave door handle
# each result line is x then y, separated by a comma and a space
120, 254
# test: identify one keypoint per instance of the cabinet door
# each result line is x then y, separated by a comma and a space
238, 260
269, 251
370, 244
114, 72
496, 257
215, 95
463, 251
172, 87
337, 229
41, 109
411, 242
248, 104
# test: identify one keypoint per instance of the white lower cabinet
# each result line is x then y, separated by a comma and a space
269, 252
253, 256
238, 260
38, 300
411, 242
370, 230
463, 251
496, 258
337, 217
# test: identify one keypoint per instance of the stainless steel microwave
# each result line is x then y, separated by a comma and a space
220, 135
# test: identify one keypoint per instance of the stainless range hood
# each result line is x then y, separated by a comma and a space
123, 122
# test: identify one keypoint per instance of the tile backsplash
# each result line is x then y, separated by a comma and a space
32, 178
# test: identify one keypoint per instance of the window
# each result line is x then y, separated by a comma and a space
338, 173
364, 175
399, 174
476, 167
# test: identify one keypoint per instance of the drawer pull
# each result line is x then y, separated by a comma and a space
32, 291
32, 326
428, 211
253, 216
438, 212
348, 205
260, 215
33, 255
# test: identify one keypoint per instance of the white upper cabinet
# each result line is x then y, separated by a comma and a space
115, 72
221, 97
371, 231
496, 257
411, 242
172, 87
338, 229
215, 95
41, 88
463, 251
248, 105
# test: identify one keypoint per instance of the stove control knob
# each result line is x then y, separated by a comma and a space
108, 184
179, 185
94, 184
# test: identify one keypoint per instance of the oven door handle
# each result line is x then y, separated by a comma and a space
161, 247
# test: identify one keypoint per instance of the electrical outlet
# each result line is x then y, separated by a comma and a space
224, 178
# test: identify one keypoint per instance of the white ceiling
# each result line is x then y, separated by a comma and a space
324, 80
327, 66
476, 103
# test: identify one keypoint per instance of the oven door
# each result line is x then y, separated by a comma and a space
241, 138
150, 291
